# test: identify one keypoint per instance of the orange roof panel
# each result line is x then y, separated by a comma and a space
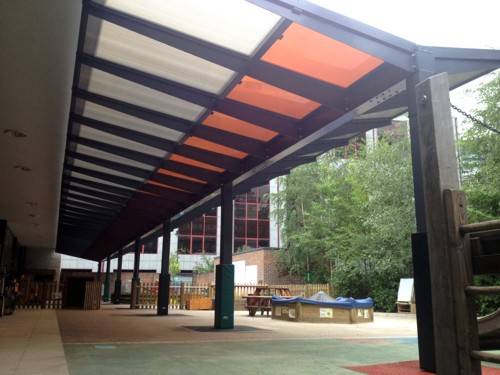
313, 54
233, 125
166, 172
155, 183
195, 163
263, 95
214, 147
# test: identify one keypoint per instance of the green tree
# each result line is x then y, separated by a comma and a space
174, 265
205, 265
349, 221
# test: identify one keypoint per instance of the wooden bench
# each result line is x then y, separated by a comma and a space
260, 299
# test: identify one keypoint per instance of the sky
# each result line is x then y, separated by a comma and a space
446, 23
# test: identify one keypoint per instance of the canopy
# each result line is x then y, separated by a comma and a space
172, 99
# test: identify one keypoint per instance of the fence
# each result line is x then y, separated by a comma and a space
92, 295
181, 295
39, 295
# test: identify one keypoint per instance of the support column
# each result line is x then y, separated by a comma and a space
105, 297
224, 272
164, 284
99, 265
136, 282
424, 63
437, 149
118, 282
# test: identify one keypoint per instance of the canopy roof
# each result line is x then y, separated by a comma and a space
174, 98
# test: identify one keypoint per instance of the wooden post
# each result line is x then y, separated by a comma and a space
424, 61
182, 297
438, 160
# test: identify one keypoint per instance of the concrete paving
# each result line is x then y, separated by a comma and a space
30, 343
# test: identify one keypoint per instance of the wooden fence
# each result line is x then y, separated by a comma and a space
92, 295
38, 295
180, 295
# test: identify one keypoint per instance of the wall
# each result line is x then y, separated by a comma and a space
43, 259
266, 262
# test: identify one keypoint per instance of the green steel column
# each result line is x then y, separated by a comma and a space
118, 282
106, 280
136, 281
224, 272
164, 284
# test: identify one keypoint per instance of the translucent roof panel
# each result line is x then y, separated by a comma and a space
93, 179
113, 140
83, 195
313, 54
159, 184
233, 125
263, 95
111, 157
76, 184
166, 172
214, 147
109, 85
123, 46
195, 163
124, 120
98, 168
234, 24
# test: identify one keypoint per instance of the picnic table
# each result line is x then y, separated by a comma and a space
260, 299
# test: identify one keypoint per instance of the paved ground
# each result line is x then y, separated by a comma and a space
117, 340
30, 343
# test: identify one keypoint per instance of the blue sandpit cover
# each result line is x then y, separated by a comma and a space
323, 299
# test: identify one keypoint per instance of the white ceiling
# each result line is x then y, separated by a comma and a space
38, 41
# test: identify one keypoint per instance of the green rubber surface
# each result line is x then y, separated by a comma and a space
315, 356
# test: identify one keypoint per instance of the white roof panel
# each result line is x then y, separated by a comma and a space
111, 116
125, 47
234, 24
112, 157
98, 168
99, 82
91, 133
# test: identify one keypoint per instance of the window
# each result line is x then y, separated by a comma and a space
251, 223
199, 236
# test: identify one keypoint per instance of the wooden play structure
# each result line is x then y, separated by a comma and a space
452, 340
477, 252
260, 299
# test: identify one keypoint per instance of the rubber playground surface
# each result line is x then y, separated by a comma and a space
121, 341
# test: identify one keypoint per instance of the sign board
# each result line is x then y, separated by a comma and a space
326, 313
405, 292
291, 313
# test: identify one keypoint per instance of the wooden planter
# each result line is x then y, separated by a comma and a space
202, 303
301, 312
